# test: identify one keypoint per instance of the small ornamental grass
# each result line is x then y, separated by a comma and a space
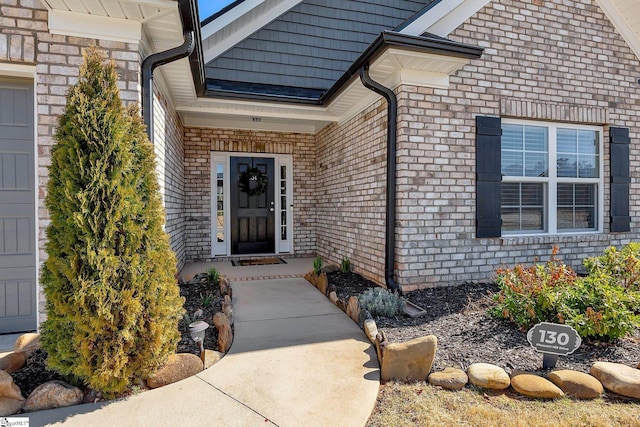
213, 276
603, 305
317, 265
381, 302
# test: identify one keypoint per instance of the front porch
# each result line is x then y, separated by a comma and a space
294, 267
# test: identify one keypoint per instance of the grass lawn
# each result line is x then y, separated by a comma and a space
420, 404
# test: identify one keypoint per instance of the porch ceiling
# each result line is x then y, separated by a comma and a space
393, 67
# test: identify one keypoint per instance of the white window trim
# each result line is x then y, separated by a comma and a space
224, 159
551, 190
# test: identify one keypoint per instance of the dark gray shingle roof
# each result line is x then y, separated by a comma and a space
313, 44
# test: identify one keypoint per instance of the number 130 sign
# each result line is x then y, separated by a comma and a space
554, 338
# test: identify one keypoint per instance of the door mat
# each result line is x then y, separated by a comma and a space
262, 261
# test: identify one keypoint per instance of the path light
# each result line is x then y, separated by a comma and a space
197, 331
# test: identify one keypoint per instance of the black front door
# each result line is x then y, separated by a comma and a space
252, 205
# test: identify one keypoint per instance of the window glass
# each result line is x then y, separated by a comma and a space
578, 153
539, 156
576, 206
524, 150
522, 206
220, 203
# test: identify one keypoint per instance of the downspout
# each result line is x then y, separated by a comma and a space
149, 64
390, 235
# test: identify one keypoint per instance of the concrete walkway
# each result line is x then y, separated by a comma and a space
296, 360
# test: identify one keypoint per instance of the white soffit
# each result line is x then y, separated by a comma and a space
226, 31
116, 20
393, 68
94, 27
625, 16
444, 17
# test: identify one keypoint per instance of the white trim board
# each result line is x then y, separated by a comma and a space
94, 27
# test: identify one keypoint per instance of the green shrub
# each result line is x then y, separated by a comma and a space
214, 276
621, 265
528, 293
113, 304
345, 265
597, 306
381, 302
317, 265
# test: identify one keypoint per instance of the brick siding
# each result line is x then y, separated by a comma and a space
169, 148
351, 191
557, 60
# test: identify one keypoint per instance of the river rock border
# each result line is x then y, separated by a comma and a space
58, 394
412, 361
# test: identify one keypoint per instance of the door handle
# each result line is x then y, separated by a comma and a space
272, 210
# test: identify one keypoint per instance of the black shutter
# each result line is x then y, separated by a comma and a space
620, 179
488, 176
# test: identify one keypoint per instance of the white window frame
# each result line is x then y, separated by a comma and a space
552, 181
282, 246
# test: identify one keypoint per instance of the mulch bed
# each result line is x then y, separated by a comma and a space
467, 334
198, 294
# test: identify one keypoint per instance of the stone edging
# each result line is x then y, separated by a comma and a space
412, 361
58, 394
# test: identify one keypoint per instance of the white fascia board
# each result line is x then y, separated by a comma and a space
221, 46
444, 17
231, 16
94, 27
617, 19
17, 70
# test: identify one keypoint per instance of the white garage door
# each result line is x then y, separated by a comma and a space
17, 207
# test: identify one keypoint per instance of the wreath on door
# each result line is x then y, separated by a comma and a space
253, 182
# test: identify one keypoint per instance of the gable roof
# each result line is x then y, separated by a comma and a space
158, 23
310, 46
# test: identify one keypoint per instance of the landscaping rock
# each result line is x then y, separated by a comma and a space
178, 367
353, 308
362, 316
12, 362
312, 278
322, 283
534, 386
489, 376
27, 343
227, 309
51, 395
8, 389
10, 406
576, 384
330, 268
618, 378
333, 297
370, 329
341, 304
331, 288
225, 287
381, 344
225, 336
409, 361
450, 379
211, 357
